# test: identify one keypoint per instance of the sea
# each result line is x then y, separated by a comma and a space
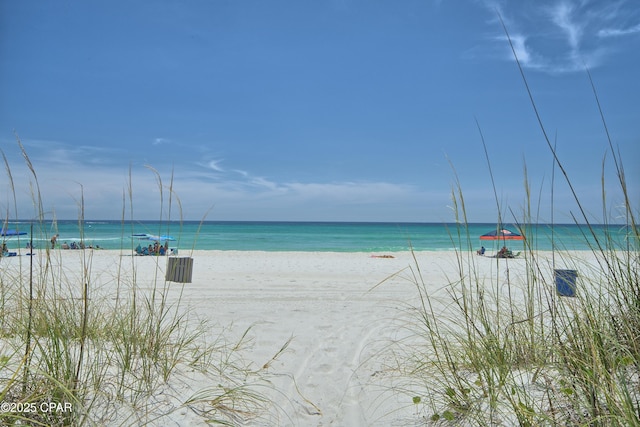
316, 236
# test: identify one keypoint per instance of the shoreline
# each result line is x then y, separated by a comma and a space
312, 237
187, 251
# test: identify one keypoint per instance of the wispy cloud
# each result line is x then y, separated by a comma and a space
561, 36
265, 184
564, 16
521, 50
161, 141
618, 32
215, 165
65, 155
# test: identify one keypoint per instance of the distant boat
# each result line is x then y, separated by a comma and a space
145, 236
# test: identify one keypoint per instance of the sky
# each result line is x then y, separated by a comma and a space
333, 110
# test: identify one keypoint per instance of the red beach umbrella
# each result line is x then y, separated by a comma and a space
501, 234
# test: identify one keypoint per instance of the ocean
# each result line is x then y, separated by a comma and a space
312, 236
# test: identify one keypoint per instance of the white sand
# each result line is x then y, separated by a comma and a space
327, 304
341, 323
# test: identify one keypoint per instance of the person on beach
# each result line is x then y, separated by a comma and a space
481, 251
53, 241
504, 253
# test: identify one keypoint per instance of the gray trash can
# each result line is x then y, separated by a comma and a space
566, 282
179, 269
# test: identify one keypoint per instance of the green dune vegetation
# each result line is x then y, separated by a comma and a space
86, 347
513, 350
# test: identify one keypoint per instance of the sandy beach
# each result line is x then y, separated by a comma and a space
341, 312
324, 302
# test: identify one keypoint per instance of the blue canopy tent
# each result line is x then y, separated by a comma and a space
10, 233
155, 238
145, 236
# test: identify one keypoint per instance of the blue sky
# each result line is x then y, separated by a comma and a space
336, 110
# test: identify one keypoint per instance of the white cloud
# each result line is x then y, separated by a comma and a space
241, 195
519, 44
160, 141
215, 165
618, 32
263, 183
564, 36
126, 191
562, 15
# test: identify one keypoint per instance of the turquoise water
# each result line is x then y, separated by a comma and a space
310, 236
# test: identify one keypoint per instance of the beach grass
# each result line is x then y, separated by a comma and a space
85, 347
513, 350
